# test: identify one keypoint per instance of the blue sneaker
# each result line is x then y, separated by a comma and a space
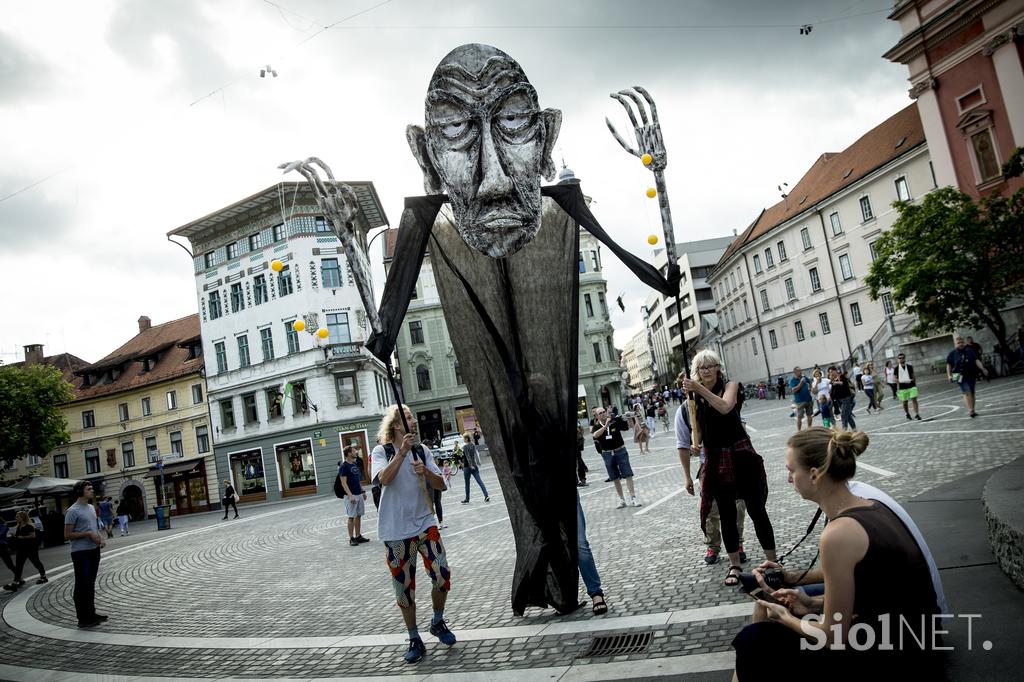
441, 631
416, 650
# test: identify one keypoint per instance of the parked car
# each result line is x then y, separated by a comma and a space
447, 447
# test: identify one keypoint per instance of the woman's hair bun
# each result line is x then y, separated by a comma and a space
849, 443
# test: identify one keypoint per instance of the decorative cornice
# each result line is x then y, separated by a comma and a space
1003, 38
921, 87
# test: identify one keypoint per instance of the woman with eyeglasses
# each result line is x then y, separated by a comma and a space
733, 469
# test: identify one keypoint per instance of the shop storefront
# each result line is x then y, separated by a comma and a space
296, 468
184, 486
247, 475
465, 419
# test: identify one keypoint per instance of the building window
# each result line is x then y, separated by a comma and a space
781, 246
322, 224
769, 261
689, 322
348, 389
254, 242
177, 447
855, 314
202, 439
291, 337
798, 327
249, 413
231, 250
172, 400
825, 328
887, 307
277, 232
209, 259
583, 265
595, 261
197, 394
237, 297
227, 414
330, 272
88, 419
732, 281
214, 305
757, 265
772, 339
604, 303
753, 345
267, 344
284, 281
597, 352
147, 409
611, 347
805, 238
902, 189
746, 309
837, 227
458, 373
92, 461
873, 251
422, 378
985, 155
128, 454
259, 290
844, 267
790, 291
122, 412
243, 350
60, 466
865, 209
222, 357
416, 332
589, 305
152, 451
815, 280
764, 301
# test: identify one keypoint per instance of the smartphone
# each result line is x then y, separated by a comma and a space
758, 593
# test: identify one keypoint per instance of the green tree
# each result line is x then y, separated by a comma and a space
953, 262
30, 419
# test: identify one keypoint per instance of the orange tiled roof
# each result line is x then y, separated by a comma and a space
833, 172
167, 341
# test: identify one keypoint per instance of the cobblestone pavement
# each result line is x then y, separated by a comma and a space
280, 593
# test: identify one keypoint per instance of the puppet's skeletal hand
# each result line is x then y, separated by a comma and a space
336, 199
647, 132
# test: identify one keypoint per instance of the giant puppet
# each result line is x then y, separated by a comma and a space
504, 251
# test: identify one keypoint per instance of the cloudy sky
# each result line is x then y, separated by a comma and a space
121, 120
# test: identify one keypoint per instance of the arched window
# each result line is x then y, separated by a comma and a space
423, 377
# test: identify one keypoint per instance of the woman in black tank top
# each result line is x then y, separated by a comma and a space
865, 603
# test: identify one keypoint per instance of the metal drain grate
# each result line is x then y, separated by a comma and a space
617, 645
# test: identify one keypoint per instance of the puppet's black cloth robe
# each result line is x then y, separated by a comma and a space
514, 326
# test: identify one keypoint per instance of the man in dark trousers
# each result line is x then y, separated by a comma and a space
962, 367
607, 431
81, 528
230, 498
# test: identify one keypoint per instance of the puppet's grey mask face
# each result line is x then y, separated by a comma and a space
486, 144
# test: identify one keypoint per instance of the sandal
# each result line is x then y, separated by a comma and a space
733, 578
600, 607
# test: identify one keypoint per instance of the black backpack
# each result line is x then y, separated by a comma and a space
389, 452
339, 490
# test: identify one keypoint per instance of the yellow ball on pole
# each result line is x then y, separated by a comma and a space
646, 159
298, 325
652, 239
651, 192
322, 332
276, 265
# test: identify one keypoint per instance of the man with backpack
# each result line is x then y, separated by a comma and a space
406, 524
350, 490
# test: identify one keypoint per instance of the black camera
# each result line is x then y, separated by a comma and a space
773, 578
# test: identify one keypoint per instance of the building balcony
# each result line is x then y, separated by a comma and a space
336, 354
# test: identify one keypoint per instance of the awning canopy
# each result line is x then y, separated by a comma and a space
43, 485
176, 468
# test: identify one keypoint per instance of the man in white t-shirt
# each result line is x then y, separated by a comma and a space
406, 524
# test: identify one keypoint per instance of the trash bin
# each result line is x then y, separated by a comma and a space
163, 516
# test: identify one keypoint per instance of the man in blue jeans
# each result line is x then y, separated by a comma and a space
81, 528
607, 430
588, 569
962, 367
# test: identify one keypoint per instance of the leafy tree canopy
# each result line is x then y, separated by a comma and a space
31, 422
953, 262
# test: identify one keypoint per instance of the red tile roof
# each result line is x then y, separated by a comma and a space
167, 342
67, 363
832, 172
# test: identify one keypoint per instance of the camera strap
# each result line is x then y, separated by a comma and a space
810, 529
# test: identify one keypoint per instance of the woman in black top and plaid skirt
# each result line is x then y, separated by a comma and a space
733, 469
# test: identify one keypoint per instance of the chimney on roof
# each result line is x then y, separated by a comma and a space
734, 232
33, 354
144, 323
